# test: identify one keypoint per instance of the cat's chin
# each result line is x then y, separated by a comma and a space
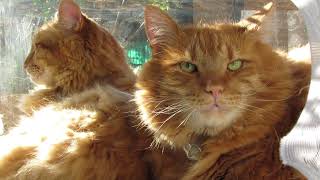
213, 109
44, 79
36, 80
213, 118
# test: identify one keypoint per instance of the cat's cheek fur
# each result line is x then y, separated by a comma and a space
45, 78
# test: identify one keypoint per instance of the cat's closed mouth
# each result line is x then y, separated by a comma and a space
213, 107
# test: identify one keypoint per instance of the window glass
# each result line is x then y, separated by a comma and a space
124, 19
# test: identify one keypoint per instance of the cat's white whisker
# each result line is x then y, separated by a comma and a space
243, 104
186, 119
243, 108
165, 112
170, 117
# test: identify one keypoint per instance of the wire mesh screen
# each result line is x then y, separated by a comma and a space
124, 19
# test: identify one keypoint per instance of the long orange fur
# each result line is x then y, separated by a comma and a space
259, 93
71, 54
80, 126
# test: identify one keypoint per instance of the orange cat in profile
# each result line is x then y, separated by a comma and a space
213, 89
70, 54
85, 132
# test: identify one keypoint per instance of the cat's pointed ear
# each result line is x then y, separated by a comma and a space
162, 31
261, 20
69, 15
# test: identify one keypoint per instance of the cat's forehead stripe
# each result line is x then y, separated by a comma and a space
201, 50
187, 55
217, 40
228, 51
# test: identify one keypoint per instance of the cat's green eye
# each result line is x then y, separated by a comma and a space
235, 65
188, 67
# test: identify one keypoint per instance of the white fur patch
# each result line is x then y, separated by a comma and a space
213, 121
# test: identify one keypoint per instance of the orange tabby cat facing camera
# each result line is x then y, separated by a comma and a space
70, 54
212, 89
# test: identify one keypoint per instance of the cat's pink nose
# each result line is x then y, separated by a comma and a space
215, 91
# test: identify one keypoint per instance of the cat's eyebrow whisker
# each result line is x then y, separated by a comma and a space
168, 111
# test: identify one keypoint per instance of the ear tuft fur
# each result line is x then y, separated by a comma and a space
161, 29
69, 14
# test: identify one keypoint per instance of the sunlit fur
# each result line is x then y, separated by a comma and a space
70, 54
88, 136
176, 106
